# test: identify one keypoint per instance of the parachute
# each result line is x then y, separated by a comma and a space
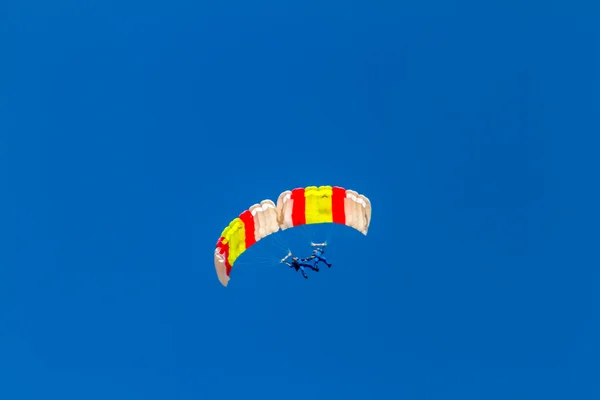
300, 206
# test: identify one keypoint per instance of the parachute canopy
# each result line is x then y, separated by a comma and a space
300, 206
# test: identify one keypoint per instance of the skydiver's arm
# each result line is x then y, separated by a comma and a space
286, 257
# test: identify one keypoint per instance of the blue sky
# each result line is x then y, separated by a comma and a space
132, 132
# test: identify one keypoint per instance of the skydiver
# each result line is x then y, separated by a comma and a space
299, 264
318, 254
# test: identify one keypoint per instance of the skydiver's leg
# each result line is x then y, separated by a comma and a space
319, 258
303, 271
314, 268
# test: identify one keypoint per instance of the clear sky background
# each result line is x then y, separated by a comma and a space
132, 132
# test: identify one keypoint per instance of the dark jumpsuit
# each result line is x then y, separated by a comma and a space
297, 265
318, 256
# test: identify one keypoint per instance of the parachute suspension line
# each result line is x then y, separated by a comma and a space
250, 262
256, 263
328, 234
259, 260
275, 241
284, 241
305, 232
279, 246
280, 242
264, 258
